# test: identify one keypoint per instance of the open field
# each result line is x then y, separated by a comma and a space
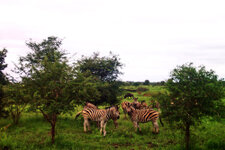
33, 132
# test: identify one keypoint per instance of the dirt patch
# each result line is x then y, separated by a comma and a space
116, 145
151, 145
147, 95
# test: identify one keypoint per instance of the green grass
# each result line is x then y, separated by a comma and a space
33, 132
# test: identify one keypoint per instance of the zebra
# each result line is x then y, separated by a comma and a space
90, 105
124, 107
99, 115
142, 116
135, 104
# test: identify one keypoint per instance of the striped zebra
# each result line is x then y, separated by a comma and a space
90, 105
124, 107
99, 115
114, 118
136, 105
142, 116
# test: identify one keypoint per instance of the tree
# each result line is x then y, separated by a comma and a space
146, 82
105, 70
193, 93
3, 81
17, 98
49, 79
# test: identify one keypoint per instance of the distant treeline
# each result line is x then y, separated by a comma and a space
146, 82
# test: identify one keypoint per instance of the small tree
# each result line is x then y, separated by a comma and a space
48, 79
147, 82
54, 86
17, 98
105, 71
193, 93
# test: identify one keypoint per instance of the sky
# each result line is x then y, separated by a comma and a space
150, 37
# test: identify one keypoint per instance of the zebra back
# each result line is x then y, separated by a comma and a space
99, 114
142, 115
146, 115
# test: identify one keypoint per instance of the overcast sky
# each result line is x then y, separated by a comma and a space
150, 37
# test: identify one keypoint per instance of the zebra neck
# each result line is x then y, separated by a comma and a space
109, 114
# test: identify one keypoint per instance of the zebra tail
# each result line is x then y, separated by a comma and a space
161, 121
78, 114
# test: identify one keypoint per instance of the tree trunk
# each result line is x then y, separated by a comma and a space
53, 123
51, 118
187, 135
15, 117
53, 132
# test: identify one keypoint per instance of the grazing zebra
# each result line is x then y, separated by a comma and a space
100, 115
143, 116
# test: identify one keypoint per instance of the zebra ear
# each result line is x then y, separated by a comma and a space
132, 108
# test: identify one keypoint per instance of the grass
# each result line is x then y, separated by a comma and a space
33, 133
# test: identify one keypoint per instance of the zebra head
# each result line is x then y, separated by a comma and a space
130, 109
114, 111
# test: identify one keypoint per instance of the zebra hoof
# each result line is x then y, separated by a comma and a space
89, 131
155, 133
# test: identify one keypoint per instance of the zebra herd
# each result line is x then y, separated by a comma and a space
138, 113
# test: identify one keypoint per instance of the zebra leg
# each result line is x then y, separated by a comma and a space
125, 116
115, 123
156, 127
135, 126
85, 124
101, 126
98, 124
138, 127
104, 129
88, 124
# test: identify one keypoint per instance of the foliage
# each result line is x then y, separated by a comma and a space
85, 89
3, 81
146, 82
17, 98
108, 92
193, 93
105, 71
104, 68
48, 79
3, 104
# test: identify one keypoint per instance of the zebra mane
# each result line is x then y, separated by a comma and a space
117, 108
108, 107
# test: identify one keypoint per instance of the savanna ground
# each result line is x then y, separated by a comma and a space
33, 132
